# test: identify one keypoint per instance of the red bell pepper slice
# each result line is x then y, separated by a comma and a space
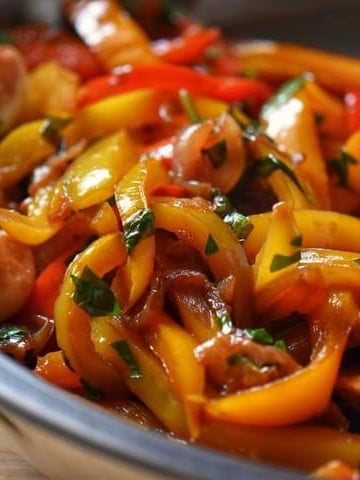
189, 47
352, 108
173, 78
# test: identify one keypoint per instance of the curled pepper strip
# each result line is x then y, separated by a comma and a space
320, 229
131, 196
203, 224
172, 78
73, 325
128, 110
174, 347
34, 228
291, 125
297, 397
152, 385
91, 178
20, 151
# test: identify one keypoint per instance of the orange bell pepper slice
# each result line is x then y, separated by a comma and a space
305, 393
73, 325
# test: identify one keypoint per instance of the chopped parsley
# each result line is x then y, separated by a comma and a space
52, 129
138, 226
318, 118
261, 335
217, 154
270, 163
297, 241
90, 392
357, 260
239, 224
225, 323
123, 349
282, 261
285, 93
340, 166
12, 333
211, 246
5, 37
94, 295
189, 107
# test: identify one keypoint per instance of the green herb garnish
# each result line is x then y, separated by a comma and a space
221, 204
243, 360
90, 392
124, 351
52, 129
189, 107
225, 323
318, 118
12, 333
282, 261
211, 246
261, 335
94, 295
239, 224
340, 165
297, 241
270, 163
217, 154
138, 226
5, 37
286, 91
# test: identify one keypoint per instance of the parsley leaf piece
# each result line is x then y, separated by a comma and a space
217, 154
90, 392
239, 224
11, 333
259, 335
357, 260
221, 204
138, 226
94, 295
211, 246
123, 349
5, 37
212, 53
297, 241
52, 129
282, 261
340, 166
286, 91
318, 118
280, 344
267, 165
225, 323
240, 359
189, 107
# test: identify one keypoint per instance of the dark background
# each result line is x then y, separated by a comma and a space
330, 24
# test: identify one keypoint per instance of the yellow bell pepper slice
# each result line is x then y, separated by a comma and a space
128, 110
291, 125
320, 229
151, 383
34, 228
279, 61
73, 325
174, 347
281, 248
131, 195
200, 226
91, 178
305, 393
20, 151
